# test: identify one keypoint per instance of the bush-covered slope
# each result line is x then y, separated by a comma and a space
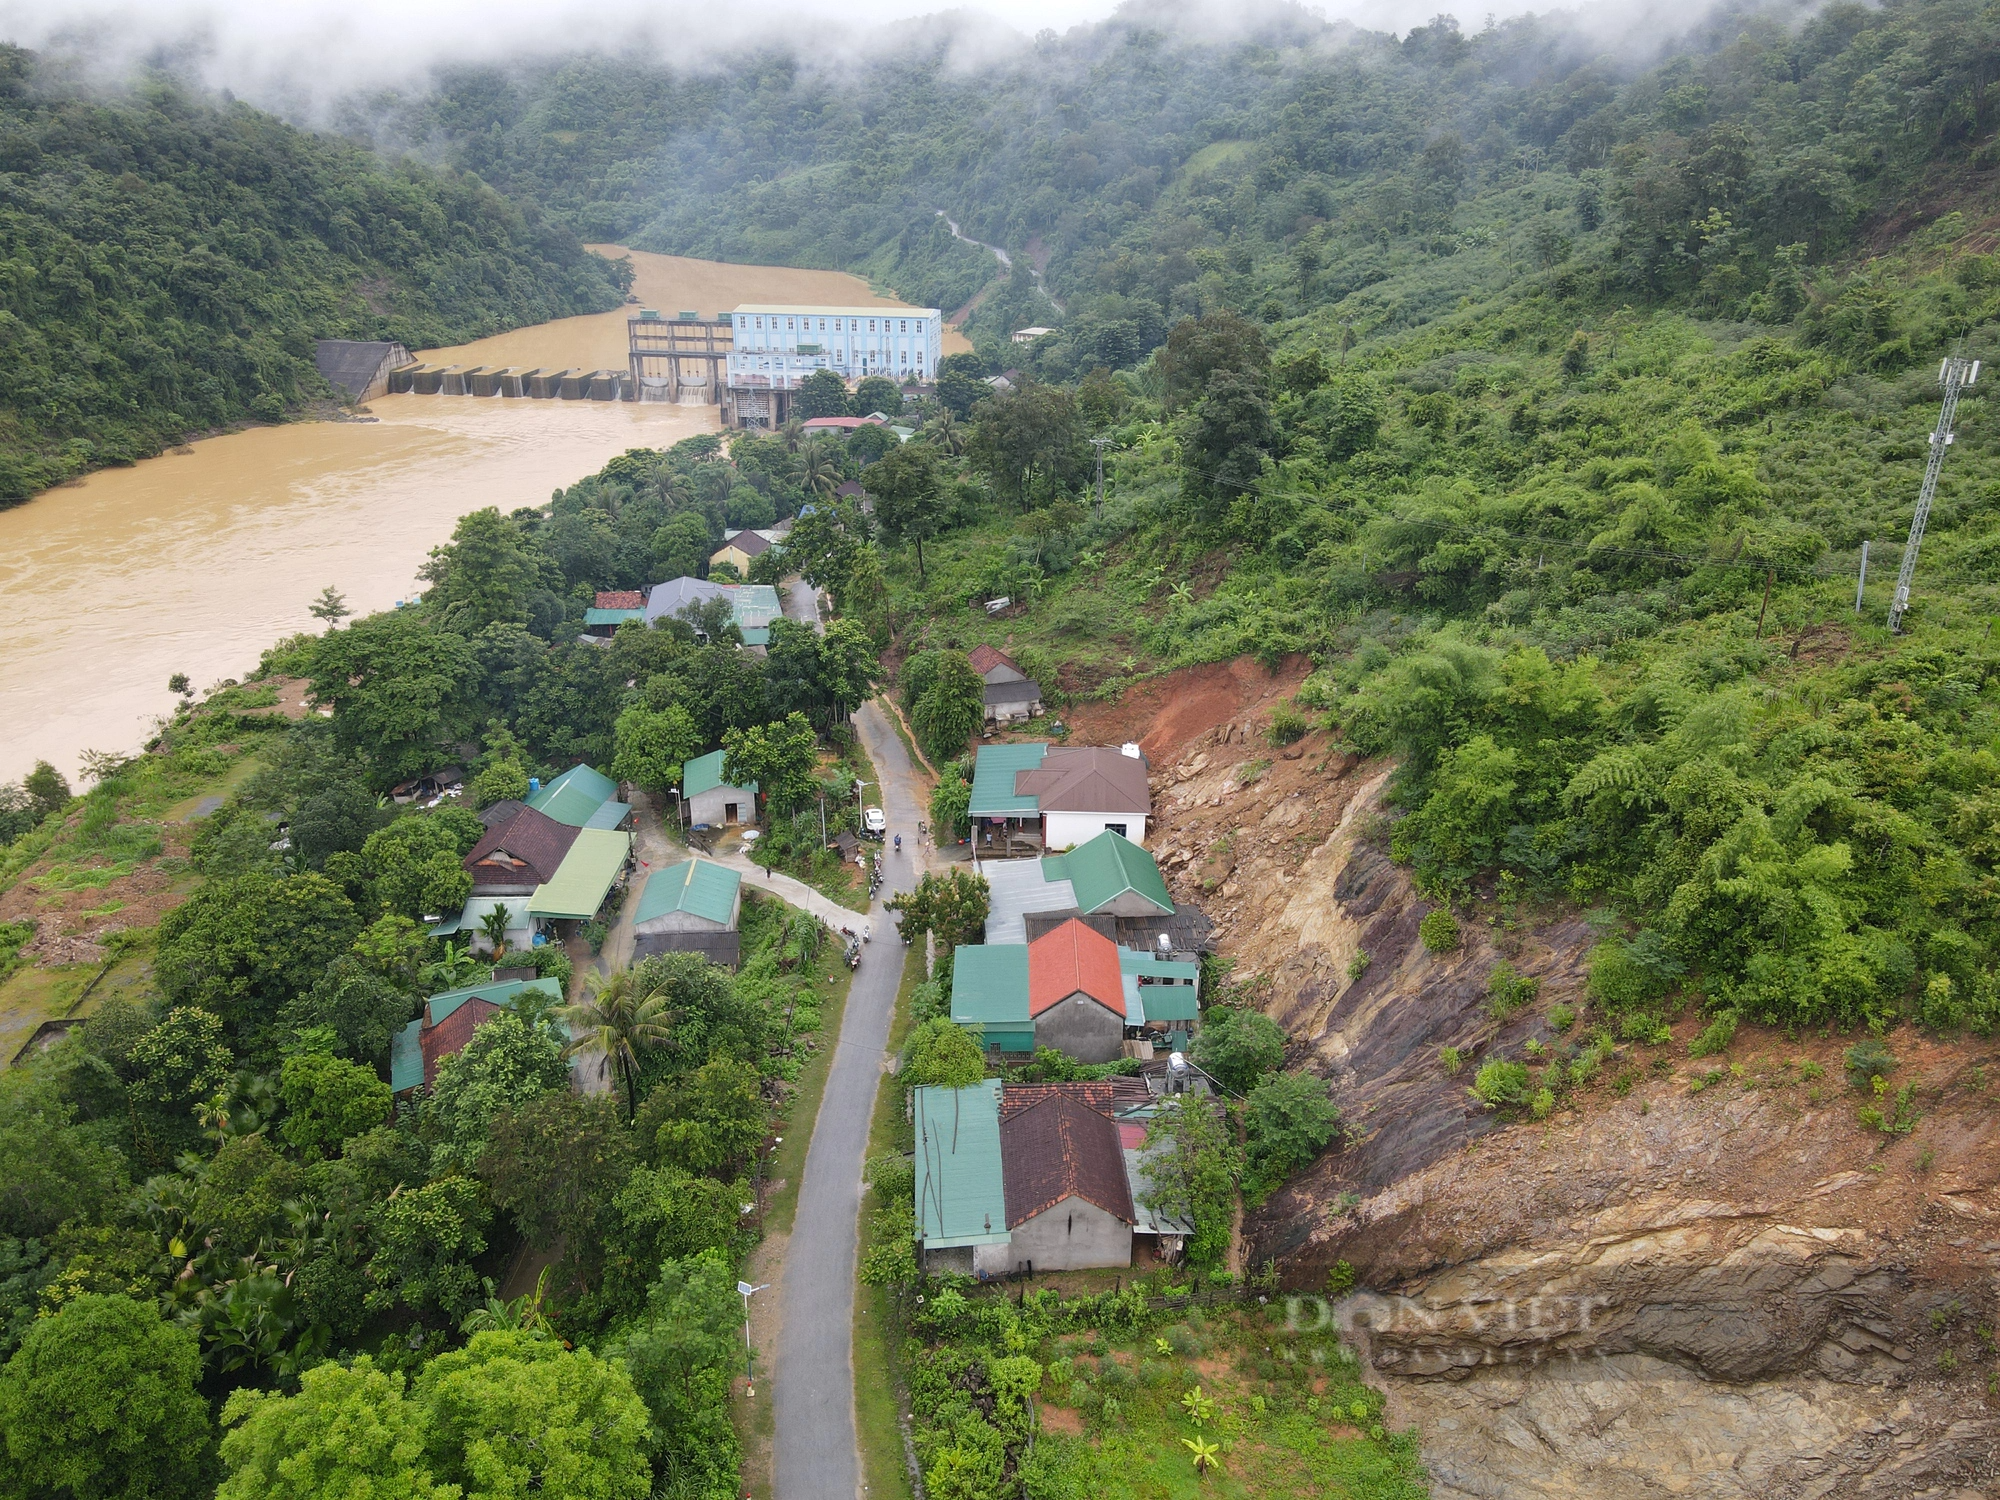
166, 264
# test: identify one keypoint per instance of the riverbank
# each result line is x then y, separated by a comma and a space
197, 560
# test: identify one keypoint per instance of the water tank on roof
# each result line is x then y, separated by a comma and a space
534, 785
1129, 749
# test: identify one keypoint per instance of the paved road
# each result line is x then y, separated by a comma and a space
813, 1391
802, 602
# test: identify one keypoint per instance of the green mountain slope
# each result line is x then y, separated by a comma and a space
165, 266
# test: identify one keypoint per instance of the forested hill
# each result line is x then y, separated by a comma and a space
166, 263
1301, 167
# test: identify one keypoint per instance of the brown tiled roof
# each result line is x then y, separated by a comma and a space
985, 658
1105, 1095
1060, 1148
500, 812
534, 842
620, 599
1078, 778
748, 543
452, 1033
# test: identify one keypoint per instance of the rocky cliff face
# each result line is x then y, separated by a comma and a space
1700, 1277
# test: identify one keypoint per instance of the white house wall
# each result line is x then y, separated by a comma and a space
1065, 830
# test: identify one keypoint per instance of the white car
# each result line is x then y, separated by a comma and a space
875, 822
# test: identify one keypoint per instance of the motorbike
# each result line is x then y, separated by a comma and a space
853, 955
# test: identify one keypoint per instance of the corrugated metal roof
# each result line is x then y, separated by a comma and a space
961, 1193
1016, 887
1173, 993
989, 986
993, 794
696, 886
1102, 869
588, 871
1073, 960
406, 1055
596, 616
610, 815
573, 796
704, 774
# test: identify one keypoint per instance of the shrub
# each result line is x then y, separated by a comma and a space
1645, 1027
1507, 991
1715, 1037
1542, 1104
1868, 1060
1451, 1060
1439, 930
1288, 725
1358, 965
1626, 973
1501, 1083
1562, 1017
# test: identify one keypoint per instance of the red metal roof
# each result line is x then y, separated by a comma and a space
845, 424
1060, 1149
452, 1033
526, 850
620, 599
1071, 960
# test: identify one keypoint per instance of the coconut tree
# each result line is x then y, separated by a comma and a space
794, 434
618, 1019
945, 430
819, 475
494, 926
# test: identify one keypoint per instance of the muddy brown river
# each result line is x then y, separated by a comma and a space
195, 562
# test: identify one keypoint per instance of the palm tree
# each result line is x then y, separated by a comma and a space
794, 434
618, 1020
494, 926
944, 430
820, 475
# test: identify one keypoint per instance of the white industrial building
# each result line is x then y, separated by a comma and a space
776, 348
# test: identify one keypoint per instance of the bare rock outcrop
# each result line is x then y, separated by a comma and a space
1701, 1277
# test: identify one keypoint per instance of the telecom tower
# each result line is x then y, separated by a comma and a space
1955, 375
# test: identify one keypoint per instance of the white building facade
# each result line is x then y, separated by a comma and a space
776, 348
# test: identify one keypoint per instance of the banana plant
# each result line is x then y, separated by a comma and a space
1207, 1455
523, 1314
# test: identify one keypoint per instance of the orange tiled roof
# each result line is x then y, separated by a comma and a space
1070, 960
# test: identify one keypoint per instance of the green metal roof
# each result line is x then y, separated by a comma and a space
961, 1195
704, 774
1102, 869
612, 616
989, 985
696, 886
993, 794
406, 1047
1173, 992
609, 815
755, 635
586, 873
753, 606
574, 796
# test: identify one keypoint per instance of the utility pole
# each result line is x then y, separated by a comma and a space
745, 1290
1100, 444
1956, 374
1861, 588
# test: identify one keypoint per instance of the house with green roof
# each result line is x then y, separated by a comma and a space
961, 1194
711, 800
1064, 794
690, 907
595, 863
583, 797
447, 1023
1111, 874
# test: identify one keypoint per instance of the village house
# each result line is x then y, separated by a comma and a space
708, 799
1059, 795
740, 548
582, 797
521, 851
1075, 989
752, 606
1111, 883
613, 608
1011, 695
1052, 1176
690, 907
448, 1021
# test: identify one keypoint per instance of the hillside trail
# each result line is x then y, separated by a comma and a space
1699, 1276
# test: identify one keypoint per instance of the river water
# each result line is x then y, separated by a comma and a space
196, 561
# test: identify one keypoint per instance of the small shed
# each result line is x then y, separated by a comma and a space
961, 1194
712, 800
447, 1023
691, 907
1069, 1200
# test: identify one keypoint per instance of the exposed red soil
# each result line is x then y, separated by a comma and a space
1165, 713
